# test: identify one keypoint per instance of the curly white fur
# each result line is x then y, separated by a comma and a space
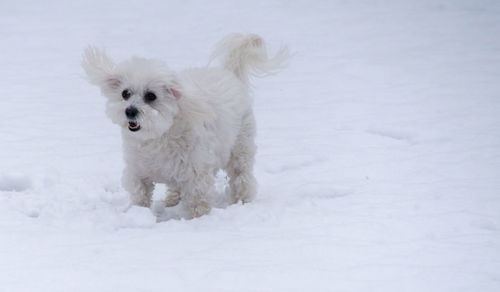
201, 121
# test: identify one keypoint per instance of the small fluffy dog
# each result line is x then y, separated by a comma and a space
180, 128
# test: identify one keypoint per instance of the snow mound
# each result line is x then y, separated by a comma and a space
137, 217
15, 182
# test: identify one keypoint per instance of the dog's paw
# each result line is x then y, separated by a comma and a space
199, 209
243, 200
173, 198
243, 189
140, 201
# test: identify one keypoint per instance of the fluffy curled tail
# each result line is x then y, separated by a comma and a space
246, 55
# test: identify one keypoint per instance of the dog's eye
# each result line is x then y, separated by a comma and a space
126, 94
149, 96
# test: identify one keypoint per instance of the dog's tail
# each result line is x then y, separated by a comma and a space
246, 55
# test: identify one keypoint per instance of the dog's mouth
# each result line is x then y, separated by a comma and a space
133, 126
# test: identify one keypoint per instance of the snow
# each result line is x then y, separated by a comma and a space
378, 162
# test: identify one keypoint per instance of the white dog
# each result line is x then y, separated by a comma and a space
181, 128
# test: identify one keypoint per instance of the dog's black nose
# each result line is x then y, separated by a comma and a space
131, 112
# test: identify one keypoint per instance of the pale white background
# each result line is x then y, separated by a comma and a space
378, 163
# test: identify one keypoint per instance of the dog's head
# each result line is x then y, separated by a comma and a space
141, 94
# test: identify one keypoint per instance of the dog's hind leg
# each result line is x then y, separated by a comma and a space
242, 183
141, 190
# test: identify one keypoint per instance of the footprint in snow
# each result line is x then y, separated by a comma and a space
393, 134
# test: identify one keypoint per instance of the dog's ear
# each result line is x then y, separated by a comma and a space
100, 69
173, 90
176, 93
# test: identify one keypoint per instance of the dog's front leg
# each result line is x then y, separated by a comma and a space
140, 189
173, 198
196, 192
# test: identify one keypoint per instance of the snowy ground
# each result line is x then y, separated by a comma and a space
378, 164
